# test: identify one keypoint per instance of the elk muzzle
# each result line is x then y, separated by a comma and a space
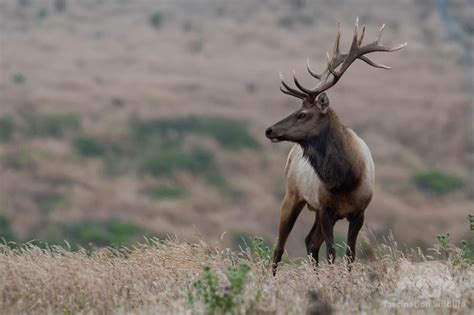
275, 134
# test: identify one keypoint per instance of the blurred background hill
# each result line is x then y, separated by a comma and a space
127, 118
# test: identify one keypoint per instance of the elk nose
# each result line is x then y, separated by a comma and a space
268, 132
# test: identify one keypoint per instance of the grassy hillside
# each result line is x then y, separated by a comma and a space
171, 277
150, 115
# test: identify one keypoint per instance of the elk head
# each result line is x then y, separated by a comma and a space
311, 119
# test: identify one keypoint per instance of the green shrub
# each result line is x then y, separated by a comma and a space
42, 13
167, 192
230, 134
143, 132
259, 249
19, 78
463, 255
48, 201
197, 161
468, 250
437, 182
156, 19
6, 231
50, 125
112, 232
468, 246
89, 147
118, 156
444, 243
215, 179
286, 21
220, 298
6, 128
241, 240
18, 160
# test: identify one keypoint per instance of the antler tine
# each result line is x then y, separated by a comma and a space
311, 72
299, 86
335, 51
379, 35
373, 64
395, 48
356, 31
290, 90
291, 94
361, 36
330, 68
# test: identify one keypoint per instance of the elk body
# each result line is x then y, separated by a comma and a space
329, 169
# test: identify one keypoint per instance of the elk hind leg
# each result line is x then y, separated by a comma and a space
355, 224
327, 222
314, 239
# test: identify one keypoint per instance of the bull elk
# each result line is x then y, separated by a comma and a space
329, 169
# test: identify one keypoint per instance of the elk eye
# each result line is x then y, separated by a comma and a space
301, 115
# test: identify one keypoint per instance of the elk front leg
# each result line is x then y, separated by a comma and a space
327, 222
355, 224
290, 210
314, 239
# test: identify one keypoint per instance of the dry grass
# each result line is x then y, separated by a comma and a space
155, 278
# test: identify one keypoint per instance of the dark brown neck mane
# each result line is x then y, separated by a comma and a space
330, 156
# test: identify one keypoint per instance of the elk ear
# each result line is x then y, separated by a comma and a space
322, 102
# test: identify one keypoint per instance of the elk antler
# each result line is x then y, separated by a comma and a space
331, 75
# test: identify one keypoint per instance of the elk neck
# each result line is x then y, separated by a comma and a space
332, 157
